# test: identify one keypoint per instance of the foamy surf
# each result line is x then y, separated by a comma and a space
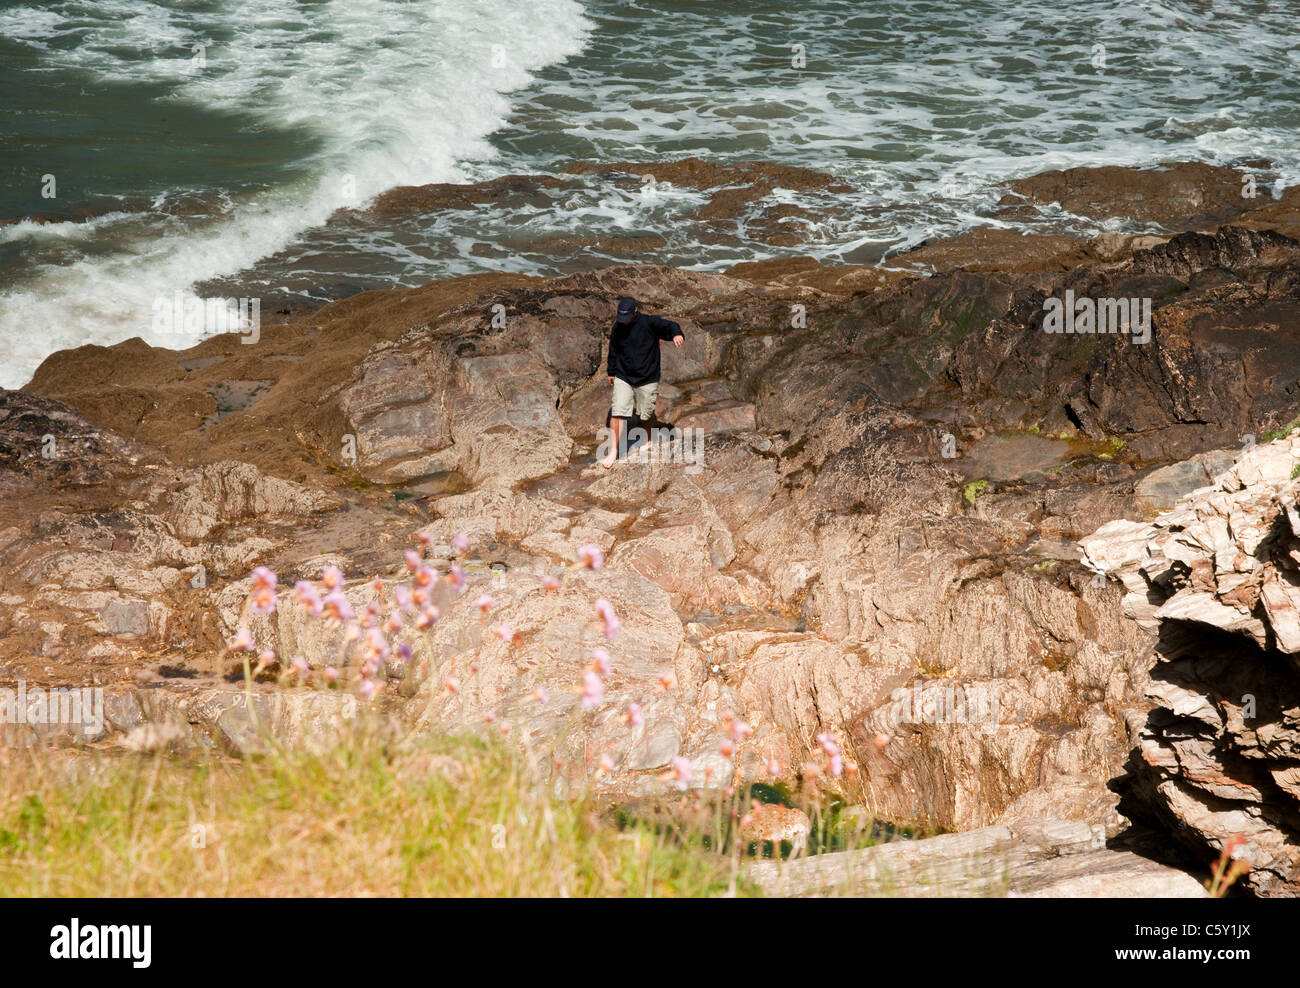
922, 109
395, 93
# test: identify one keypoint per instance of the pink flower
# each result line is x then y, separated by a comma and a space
370, 615
601, 661
331, 674
243, 641
484, 604
424, 576
402, 597
881, 740
1232, 845
504, 631
550, 583
413, 560
332, 577
461, 542
423, 537
394, 622
592, 690
263, 600
377, 585
591, 557
490, 716
668, 680
681, 773
457, 577
606, 763
542, 696
428, 618
299, 665
263, 594
377, 642
419, 596
633, 714
404, 652
337, 606
833, 755
265, 660
612, 624
773, 767
740, 730
369, 688
727, 747
451, 684
305, 593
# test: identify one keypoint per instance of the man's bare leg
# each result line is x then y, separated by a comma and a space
615, 427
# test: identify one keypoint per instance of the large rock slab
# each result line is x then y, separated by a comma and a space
1045, 858
1173, 196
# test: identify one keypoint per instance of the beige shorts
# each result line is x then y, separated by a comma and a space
628, 399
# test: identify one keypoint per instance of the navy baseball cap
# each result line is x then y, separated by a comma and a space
626, 309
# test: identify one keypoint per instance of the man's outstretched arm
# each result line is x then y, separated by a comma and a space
666, 329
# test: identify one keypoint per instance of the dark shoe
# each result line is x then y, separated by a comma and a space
666, 428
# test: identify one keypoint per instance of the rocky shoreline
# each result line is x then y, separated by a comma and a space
898, 465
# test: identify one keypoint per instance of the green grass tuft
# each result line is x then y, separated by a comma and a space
1274, 434
449, 819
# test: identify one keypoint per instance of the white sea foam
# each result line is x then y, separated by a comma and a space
398, 93
923, 108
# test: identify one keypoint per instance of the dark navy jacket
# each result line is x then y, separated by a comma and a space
634, 348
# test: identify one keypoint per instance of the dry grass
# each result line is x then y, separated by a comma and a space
458, 818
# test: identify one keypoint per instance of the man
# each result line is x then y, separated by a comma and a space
633, 367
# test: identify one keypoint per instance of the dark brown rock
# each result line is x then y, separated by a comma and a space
1177, 196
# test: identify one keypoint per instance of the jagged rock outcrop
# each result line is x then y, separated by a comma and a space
1222, 362
107, 548
1216, 581
875, 541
